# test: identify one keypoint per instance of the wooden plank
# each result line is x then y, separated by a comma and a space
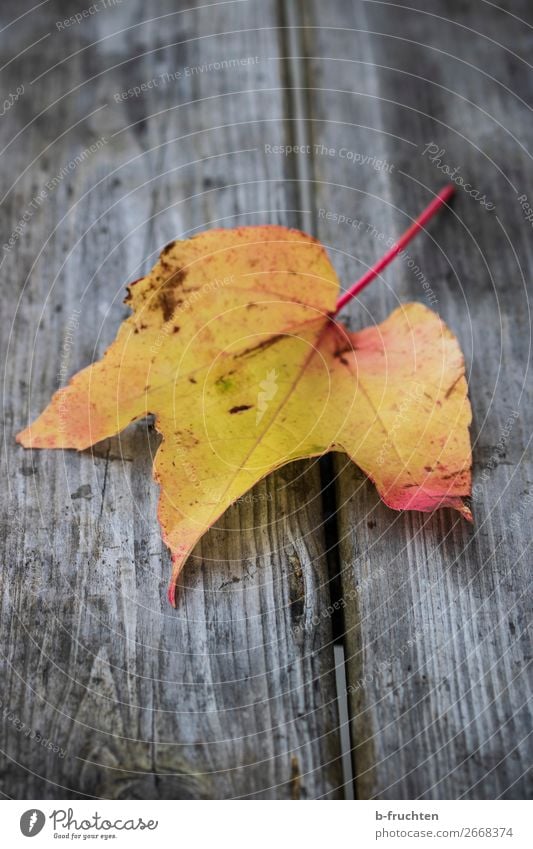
436, 622
233, 694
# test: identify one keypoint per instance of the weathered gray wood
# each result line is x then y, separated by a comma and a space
436, 626
227, 696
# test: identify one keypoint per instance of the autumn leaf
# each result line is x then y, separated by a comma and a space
232, 346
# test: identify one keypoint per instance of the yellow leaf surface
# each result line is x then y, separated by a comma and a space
232, 347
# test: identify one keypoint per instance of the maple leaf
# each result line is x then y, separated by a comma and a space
233, 348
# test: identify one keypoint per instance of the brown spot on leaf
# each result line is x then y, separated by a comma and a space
241, 408
451, 475
296, 589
